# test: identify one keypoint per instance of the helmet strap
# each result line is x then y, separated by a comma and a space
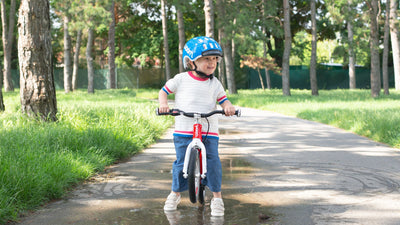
201, 73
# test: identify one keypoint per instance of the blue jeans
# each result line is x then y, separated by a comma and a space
214, 169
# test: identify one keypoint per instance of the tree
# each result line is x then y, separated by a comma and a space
67, 55
182, 38
374, 45
342, 12
394, 31
165, 34
385, 55
2, 107
209, 16
111, 47
76, 60
7, 36
96, 16
38, 96
350, 36
258, 63
313, 63
89, 59
286, 52
226, 43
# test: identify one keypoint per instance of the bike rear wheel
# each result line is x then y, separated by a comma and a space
194, 178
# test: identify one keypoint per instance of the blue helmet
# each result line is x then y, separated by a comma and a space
198, 47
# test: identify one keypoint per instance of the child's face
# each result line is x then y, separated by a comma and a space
207, 64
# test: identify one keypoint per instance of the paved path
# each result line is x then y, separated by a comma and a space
291, 170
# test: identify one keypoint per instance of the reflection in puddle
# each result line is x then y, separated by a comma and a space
236, 212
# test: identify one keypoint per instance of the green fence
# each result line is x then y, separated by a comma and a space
329, 77
126, 78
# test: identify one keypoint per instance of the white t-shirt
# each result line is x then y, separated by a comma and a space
194, 94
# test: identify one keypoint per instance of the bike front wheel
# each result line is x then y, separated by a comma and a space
194, 178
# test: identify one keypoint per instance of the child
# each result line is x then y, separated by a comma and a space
197, 91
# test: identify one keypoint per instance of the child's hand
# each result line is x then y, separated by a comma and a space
229, 110
163, 108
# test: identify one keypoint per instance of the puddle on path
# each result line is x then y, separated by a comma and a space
236, 212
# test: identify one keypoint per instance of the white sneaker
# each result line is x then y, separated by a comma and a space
172, 202
217, 207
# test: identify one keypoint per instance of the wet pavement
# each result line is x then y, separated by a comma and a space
277, 170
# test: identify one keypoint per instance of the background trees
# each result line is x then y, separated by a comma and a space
84, 29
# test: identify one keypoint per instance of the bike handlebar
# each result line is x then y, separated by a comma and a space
178, 112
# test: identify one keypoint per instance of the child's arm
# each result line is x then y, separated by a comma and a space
163, 101
228, 108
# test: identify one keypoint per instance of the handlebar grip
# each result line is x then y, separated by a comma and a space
171, 112
238, 112
161, 114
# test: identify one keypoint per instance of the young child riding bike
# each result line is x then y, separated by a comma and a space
197, 91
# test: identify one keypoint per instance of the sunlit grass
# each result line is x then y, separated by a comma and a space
352, 110
40, 161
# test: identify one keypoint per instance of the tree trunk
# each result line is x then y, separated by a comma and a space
111, 48
8, 37
385, 56
394, 31
313, 63
38, 95
286, 51
230, 75
76, 60
374, 45
2, 107
89, 59
352, 61
182, 38
261, 79
267, 76
227, 48
209, 16
165, 35
67, 56
221, 68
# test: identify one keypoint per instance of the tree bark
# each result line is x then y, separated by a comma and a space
76, 60
182, 38
111, 48
89, 59
8, 37
286, 51
313, 63
350, 36
227, 48
165, 35
385, 56
67, 56
221, 68
394, 32
374, 45
38, 96
267, 76
2, 107
209, 16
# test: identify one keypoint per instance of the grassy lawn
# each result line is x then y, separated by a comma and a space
352, 110
40, 161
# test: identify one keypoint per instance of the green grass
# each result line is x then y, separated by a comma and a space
40, 161
352, 110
